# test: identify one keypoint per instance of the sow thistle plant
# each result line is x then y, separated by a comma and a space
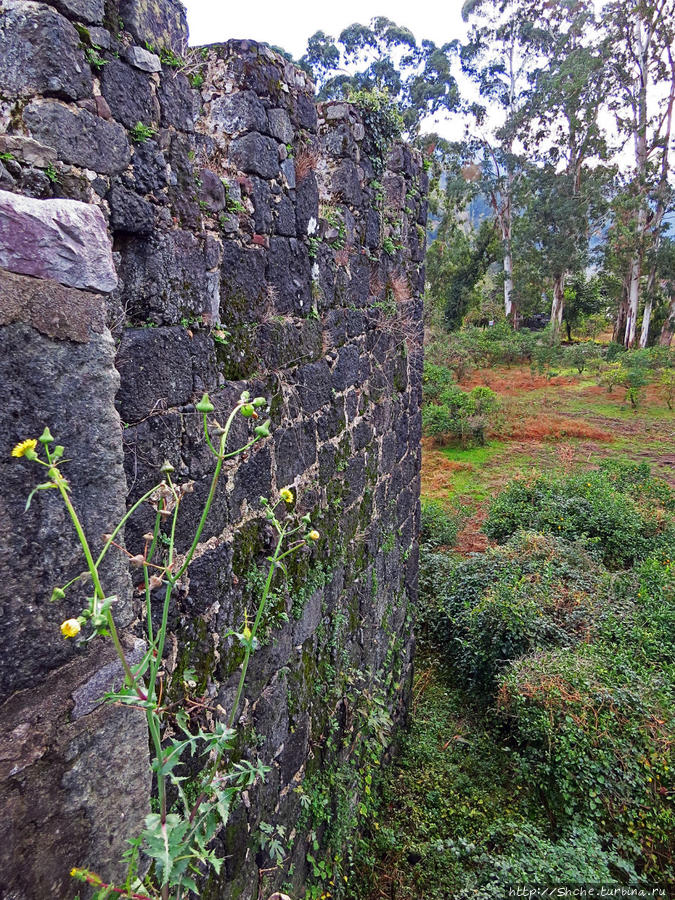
176, 843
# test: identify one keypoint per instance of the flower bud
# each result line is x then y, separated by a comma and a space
262, 430
259, 401
306, 519
205, 405
58, 451
167, 468
57, 594
247, 633
314, 535
46, 436
248, 411
244, 396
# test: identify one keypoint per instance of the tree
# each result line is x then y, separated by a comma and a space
640, 46
456, 262
386, 57
497, 57
561, 132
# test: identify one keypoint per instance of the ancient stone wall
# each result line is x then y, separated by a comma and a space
175, 220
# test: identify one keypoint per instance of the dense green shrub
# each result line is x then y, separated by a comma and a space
438, 525
460, 415
522, 853
594, 730
591, 505
536, 591
435, 380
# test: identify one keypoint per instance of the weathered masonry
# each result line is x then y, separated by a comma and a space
176, 220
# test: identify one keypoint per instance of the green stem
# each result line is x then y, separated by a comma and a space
256, 624
93, 571
122, 522
211, 495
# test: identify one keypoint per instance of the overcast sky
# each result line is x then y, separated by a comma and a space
288, 25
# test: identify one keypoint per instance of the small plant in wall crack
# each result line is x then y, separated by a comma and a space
177, 840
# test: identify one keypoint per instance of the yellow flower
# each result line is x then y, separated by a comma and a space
25, 448
70, 628
313, 535
286, 495
247, 633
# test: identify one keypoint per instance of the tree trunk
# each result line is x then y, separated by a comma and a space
646, 318
668, 326
558, 305
508, 284
620, 325
633, 300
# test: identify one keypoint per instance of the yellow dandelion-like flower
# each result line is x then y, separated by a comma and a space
313, 535
25, 448
70, 628
286, 495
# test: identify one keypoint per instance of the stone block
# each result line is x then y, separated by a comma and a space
288, 272
130, 213
90, 12
177, 101
41, 53
235, 114
78, 136
155, 370
280, 125
129, 94
70, 387
143, 59
149, 168
163, 25
164, 277
255, 154
50, 308
63, 240
74, 779
295, 451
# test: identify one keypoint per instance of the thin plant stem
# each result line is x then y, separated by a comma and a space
60, 483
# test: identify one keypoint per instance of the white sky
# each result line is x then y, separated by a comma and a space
288, 25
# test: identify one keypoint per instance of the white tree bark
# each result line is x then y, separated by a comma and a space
633, 300
558, 305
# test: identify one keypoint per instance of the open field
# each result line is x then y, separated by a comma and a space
551, 425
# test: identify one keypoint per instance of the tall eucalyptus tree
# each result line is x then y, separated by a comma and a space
641, 34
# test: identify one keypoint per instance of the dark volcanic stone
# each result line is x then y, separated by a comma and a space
314, 386
242, 282
155, 369
88, 11
41, 54
129, 94
79, 137
177, 101
129, 212
149, 167
164, 25
211, 191
288, 273
255, 154
164, 277
295, 451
